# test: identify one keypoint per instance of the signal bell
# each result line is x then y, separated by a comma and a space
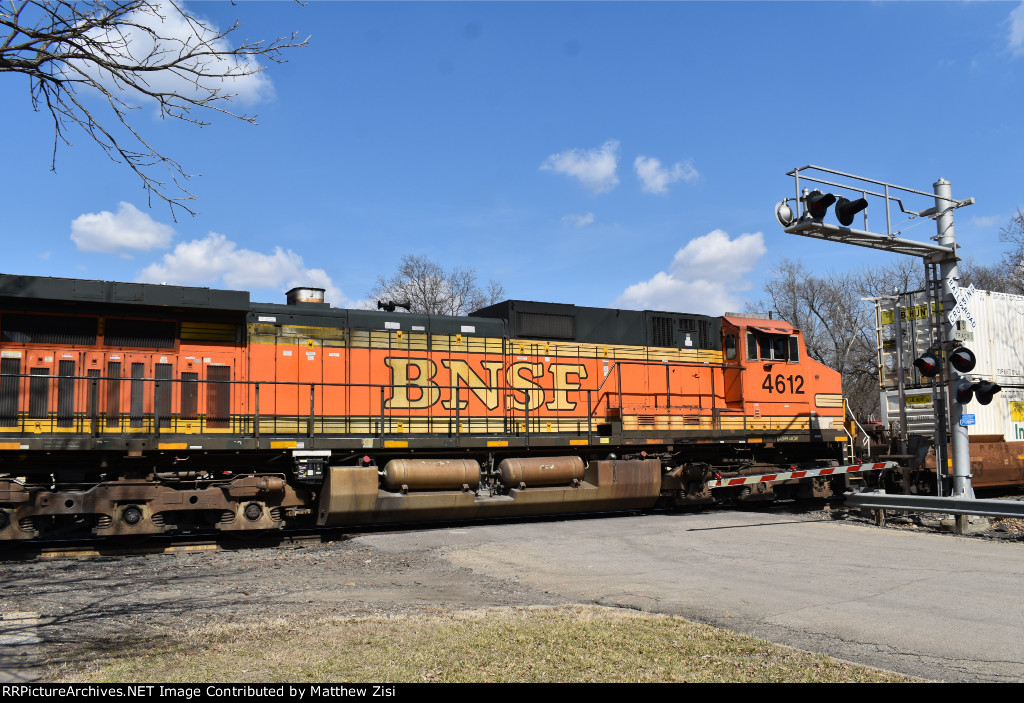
846, 209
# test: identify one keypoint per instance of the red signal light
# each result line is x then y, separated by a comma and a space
846, 209
927, 365
964, 392
985, 390
818, 203
962, 359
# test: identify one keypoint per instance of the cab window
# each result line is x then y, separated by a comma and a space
772, 347
730, 346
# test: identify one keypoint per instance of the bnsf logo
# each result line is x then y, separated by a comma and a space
416, 384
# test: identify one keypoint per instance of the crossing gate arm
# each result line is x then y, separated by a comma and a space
810, 473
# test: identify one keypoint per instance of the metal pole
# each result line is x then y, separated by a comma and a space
590, 420
901, 397
668, 388
312, 411
961, 448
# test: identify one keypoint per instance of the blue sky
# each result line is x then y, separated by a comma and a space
605, 154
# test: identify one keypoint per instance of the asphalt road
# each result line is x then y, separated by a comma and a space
932, 605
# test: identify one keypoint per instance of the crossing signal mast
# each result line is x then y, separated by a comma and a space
807, 218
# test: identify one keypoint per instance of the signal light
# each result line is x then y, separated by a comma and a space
964, 392
846, 209
962, 359
818, 203
984, 390
927, 364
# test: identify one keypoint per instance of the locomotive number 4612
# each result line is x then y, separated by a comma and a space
784, 384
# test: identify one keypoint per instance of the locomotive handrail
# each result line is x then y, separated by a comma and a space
156, 416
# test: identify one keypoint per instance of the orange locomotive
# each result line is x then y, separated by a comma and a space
140, 409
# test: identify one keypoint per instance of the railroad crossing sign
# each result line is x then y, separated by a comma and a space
960, 310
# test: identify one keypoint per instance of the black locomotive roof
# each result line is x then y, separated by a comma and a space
326, 316
114, 292
561, 321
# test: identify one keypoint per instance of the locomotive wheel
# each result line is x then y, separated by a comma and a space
132, 515
253, 512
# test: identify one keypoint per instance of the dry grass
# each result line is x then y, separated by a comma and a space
564, 644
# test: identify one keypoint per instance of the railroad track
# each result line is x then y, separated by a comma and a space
82, 548
89, 547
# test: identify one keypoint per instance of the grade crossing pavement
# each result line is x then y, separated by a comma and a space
928, 604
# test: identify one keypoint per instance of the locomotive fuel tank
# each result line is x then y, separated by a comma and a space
431, 474
541, 471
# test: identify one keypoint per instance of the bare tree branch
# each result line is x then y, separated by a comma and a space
129, 53
429, 289
838, 327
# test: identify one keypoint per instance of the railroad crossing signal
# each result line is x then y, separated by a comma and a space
984, 390
964, 392
818, 204
962, 359
928, 364
846, 209
940, 255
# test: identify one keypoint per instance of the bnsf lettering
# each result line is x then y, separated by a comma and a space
415, 384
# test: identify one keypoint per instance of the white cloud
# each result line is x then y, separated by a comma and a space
656, 178
1016, 40
128, 229
157, 32
578, 220
985, 221
216, 260
595, 168
704, 276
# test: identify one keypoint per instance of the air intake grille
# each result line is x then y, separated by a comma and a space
545, 325
48, 329
148, 334
661, 332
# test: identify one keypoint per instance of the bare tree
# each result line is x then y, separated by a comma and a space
992, 278
837, 324
128, 53
430, 289
1011, 268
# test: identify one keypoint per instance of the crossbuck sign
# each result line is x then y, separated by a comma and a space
960, 310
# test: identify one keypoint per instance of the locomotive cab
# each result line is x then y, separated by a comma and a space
770, 378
